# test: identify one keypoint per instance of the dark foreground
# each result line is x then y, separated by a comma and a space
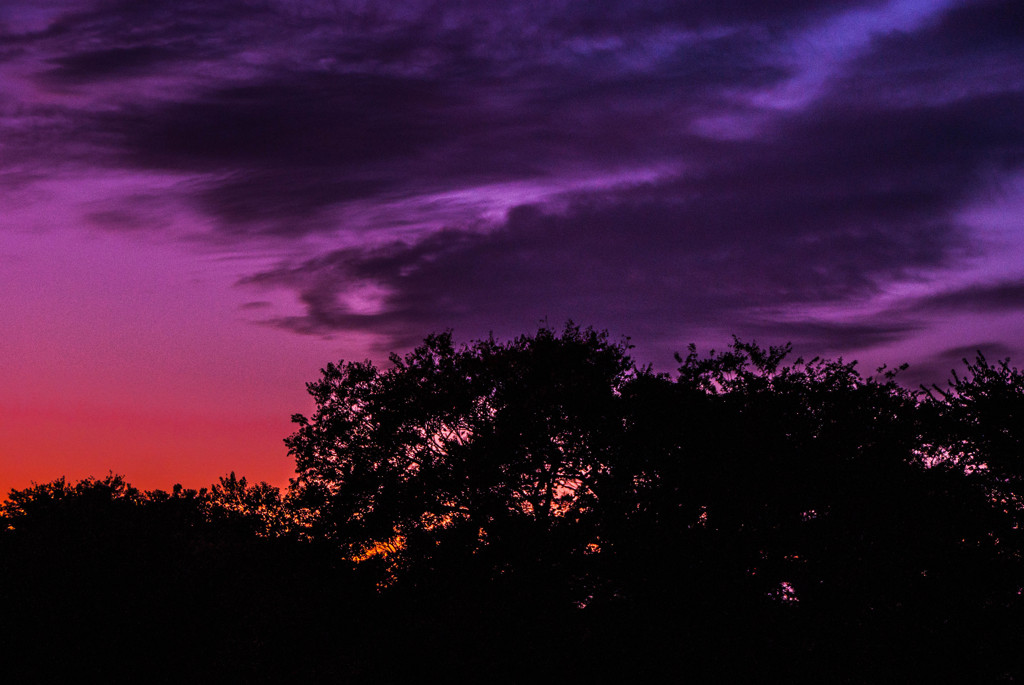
543, 510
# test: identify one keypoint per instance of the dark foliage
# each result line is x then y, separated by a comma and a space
545, 509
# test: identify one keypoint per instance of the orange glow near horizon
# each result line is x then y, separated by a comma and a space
152, 450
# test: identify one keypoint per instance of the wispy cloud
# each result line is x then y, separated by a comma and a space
678, 161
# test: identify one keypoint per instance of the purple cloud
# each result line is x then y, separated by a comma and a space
678, 168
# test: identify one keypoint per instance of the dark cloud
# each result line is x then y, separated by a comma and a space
285, 200
1004, 296
971, 49
128, 213
621, 262
826, 206
111, 22
355, 100
280, 152
938, 370
989, 348
306, 120
614, 16
295, 142
980, 25
279, 115
107, 64
825, 337
301, 142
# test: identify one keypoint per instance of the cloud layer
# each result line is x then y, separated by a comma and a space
667, 169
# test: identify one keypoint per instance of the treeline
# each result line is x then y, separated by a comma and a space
545, 509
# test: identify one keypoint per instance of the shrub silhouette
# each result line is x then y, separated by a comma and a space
503, 509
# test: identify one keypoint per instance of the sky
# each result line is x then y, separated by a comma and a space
203, 203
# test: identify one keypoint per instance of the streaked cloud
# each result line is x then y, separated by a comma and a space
658, 167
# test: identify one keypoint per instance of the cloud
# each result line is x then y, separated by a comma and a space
614, 17
826, 206
1002, 296
990, 348
417, 107
647, 254
939, 369
677, 189
386, 107
106, 64
827, 337
965, 52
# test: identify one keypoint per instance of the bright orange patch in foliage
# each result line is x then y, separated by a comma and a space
383, 548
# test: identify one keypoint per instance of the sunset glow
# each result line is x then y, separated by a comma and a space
201, 204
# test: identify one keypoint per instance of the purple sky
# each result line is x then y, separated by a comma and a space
202, 203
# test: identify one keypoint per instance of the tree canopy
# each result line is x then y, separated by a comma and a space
491, 443
545, 496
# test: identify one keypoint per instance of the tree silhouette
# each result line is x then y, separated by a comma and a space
980, 423
488, 448
507, 507
101, 581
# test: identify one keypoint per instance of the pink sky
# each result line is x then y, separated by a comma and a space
136, 356
201, 206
